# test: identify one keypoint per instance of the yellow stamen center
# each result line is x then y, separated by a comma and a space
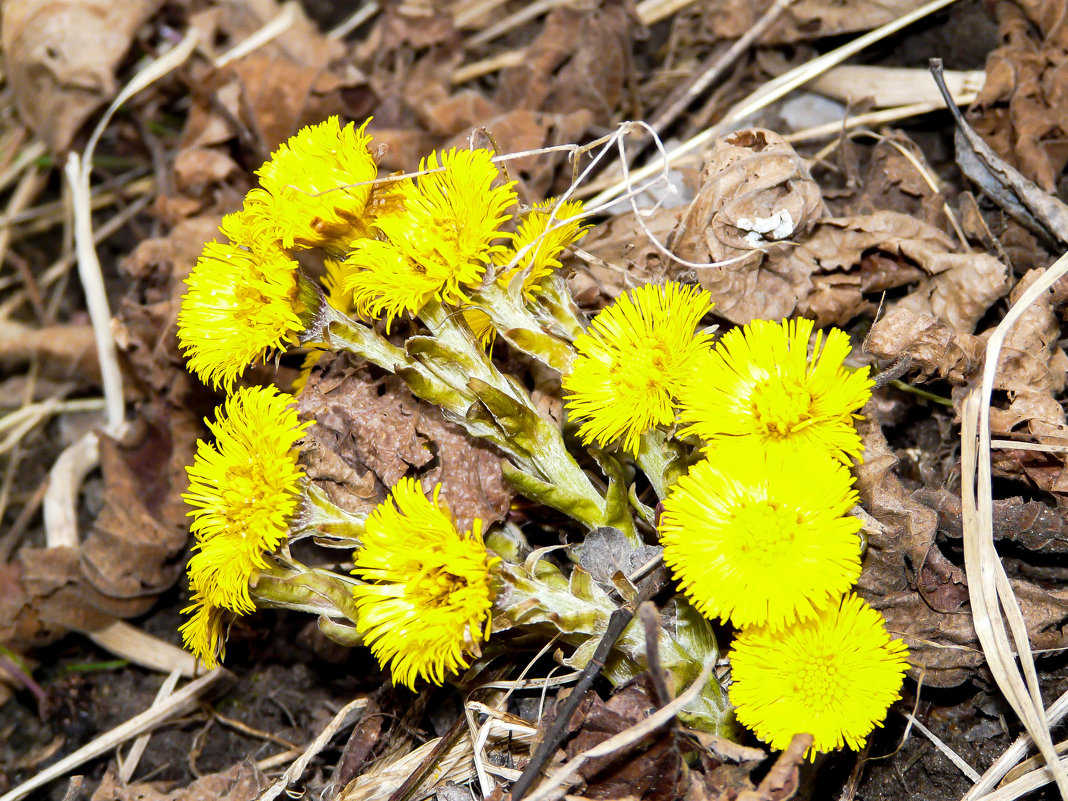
781, 406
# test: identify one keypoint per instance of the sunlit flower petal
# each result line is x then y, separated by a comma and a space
241, 304
537, 248
316, 186
761, 384
631, 361
441, 245
202, 633
426, 605
244, 489
833, 676
762, 537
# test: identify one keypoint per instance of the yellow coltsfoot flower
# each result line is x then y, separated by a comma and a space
202, 633
316, 187
762, 537
242, 303
833, 676
632, 360
441, 245
425, 606
537, 248
245, 488
760, 384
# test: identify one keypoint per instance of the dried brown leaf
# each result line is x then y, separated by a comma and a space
60, 58
64, 352
369, 433
242, 782
907, 577
1022, 110
756, 196
651, 772
805, 19
1031, 524
1031, 370
134, 549
935, 349
581, 61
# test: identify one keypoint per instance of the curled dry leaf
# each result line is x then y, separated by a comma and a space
1031, 371
1021, 111
241, 782
935, 349
756, 196
60, 57
369, 433
924, 596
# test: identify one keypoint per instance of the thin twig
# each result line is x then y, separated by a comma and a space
617, 622
711, 70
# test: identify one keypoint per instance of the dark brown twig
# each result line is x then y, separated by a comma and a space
557, 732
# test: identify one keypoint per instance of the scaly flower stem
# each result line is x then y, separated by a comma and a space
319, 515
548, 461
661, 459
304, 589
537, 593
521, 329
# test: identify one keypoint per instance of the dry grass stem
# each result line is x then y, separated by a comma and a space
341, 719
144, 649
181, 702
652, 11
712, 71
770, 92
951, 755
995, 610
128, 765
268, 33
888, 87
358, 18
551, 786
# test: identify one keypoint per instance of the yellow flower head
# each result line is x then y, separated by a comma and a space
441, 245
241, 303
202, 633
833, 676
632, 360
760, 384
426, 604
307, 197
545, 244
244, 490
762, 537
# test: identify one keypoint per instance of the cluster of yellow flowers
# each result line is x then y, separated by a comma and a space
392, 247
758, 532
747, 440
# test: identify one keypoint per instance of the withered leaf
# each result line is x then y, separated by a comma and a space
377, 429
242, 782
651, 771
137, 540
1032, 524
60, 58
936, 351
